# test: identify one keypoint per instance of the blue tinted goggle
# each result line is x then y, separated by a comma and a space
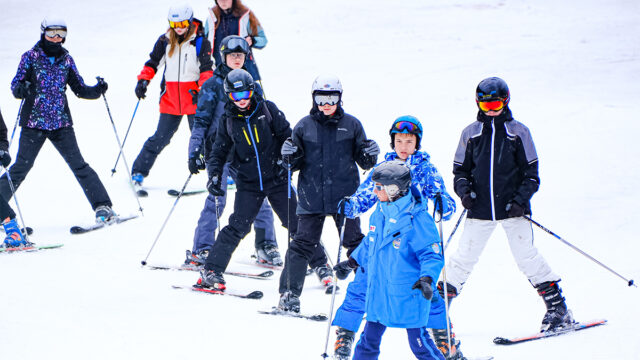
241, 95
406, 126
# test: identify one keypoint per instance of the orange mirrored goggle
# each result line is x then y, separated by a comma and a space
179, 24
486, 106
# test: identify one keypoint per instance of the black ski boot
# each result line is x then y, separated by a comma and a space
442, 342
452, 292
269, 255
289, 302
557, 316
211, 279
104, 214
195, 260
344, 342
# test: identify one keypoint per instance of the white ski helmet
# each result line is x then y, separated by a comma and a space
326, 83
180, 13
52, 22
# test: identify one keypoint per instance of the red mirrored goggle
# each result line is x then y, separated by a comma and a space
486, 106
179, 24
241, 95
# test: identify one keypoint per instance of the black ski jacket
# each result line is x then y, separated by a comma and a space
328, 150
497, 159
4, 143
255, 138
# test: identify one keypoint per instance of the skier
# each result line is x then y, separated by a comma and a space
255, 128
400, 254
211, 102
186, 55
326, 146
406, 135
232, 17
41, 81
496, 174
14, 236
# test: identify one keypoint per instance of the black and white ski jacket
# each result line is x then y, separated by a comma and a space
496, 158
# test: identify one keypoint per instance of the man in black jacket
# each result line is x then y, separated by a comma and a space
496, 174
325, 146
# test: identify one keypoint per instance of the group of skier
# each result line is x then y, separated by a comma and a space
236, 132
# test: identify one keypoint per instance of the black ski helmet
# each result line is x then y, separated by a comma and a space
395, 175
233, 44
238, 80
492, 89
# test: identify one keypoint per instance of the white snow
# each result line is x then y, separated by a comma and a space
573, 68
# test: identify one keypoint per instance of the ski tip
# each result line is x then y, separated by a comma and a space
255, 295
267, 273
329, 289
501, 341
76, 230
173, 192
319, 317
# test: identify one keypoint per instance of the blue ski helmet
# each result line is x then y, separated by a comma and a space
406, 124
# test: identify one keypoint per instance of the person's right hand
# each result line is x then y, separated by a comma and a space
214, 185
22, 90
468, 200
288, 148
141, 88
5, 158
196, 163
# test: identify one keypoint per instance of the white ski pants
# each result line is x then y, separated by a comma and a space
474, 238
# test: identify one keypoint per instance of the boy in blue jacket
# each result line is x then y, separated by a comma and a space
401, 258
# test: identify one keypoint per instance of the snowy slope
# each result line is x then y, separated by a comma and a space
573, 69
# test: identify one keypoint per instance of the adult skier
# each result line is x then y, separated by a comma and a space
252, 130
496, 174
326, 146
211, 102
41, 81
186, 55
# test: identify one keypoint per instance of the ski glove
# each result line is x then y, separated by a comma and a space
22, 90
214, 185
196, 163
101, 86
514, 209
371, 148
288, 148
141, 88
5, 158
468, 199
424, 284
344, 268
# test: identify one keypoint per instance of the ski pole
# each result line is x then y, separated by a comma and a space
333, 290
144, 262
113, 171
464, 212
215, 198
629, 281
438, 210
15, 198
15, 126
120, 146
288, 159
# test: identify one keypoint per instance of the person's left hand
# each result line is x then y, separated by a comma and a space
5, 158
249, 40
424, 284
514, 209
102, 86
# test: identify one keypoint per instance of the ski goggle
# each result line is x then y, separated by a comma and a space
486, 106
331, 99
179, 24
405, 127
236, 45
61, 33
241, 95
391, 189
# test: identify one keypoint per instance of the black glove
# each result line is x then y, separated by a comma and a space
344, 268
196, 163
424, 285
214, 185
102, 85
22, 90
288, 148
468, 199
514, 209
5, 158
141, 88
194, 96
371, 148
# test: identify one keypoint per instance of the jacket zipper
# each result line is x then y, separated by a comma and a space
179, 97
493, 142
255, 149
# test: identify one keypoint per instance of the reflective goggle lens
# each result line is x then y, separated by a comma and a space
179, 24
236, 45
490, 105
62, 33
406, 126
326, 99
241, 95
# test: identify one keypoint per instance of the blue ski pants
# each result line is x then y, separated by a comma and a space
368, 347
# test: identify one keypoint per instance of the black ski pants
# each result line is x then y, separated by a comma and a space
5, 210
167, 126
305, 244
245, 209
64, 140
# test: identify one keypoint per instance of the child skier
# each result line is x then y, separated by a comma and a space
41, 81
400, 254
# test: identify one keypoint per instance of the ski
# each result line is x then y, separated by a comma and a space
276, 311
31, 248
259, 276
329, 289
252, 295
142, 193
541, 335
97, 226
174, 192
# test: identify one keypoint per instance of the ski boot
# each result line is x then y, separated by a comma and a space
557, 316
211, 279
442, 342
289, 302
137, 179
196, 260
344, 342
325, 275
14, 235
452, 292
231, 184
104, 214
269, 255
